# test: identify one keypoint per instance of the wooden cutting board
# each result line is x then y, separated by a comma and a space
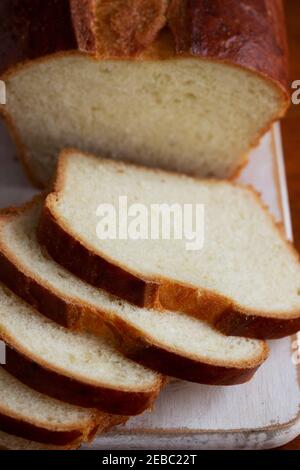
261, 414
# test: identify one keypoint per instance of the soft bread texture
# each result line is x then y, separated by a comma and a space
120, 103
77, 368
28, 414
171, 343
245, 280
214, 78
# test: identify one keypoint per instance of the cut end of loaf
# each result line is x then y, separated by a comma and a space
190, 115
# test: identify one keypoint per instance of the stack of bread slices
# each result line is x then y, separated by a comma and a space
95, 327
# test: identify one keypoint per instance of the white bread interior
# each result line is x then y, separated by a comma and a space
32, 407
190, 115
84, 357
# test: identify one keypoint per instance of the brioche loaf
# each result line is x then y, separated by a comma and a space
193, 96
245, 280
171, 343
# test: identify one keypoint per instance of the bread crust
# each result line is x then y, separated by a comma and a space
97, 269
206, 371
248, 34
60, 437
80, 316
38, 434
37, 374
54, 432
117, 28
11, 442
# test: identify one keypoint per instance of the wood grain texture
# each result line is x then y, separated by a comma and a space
291, 135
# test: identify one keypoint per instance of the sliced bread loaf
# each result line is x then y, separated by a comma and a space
171, 343
30, 415
77, 368
201, 92
245, 280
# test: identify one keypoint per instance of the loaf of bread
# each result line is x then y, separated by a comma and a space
244, 279
188, 86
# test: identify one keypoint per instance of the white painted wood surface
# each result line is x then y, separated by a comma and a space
261, 414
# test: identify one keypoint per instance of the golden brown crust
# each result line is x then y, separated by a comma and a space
55, 433
32, 371
206, 371
96, 270
60, 437
227, 316
83, 14
117, 28
80, 259
31, 29
38, 434
248, 33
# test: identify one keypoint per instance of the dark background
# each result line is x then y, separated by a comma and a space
291, 124
291, 134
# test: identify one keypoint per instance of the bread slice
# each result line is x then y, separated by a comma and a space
193, 96
30, 415
245, 280
77, 368
10, 442
171, 343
